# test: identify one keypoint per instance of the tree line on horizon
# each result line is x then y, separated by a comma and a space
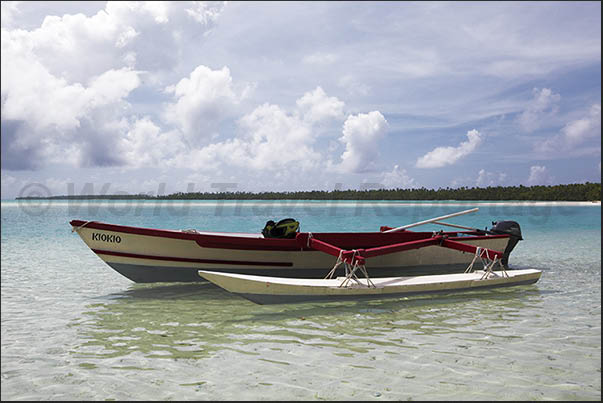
570, 192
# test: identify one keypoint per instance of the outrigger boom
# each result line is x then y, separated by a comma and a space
359, 255
305, 239
354, 260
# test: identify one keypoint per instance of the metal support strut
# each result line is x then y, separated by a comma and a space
487, 263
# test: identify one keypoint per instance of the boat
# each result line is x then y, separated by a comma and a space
146, 255
275, 290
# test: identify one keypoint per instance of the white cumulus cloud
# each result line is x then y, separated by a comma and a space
316, 105
46, 118
442, 156
539, 175
485, 178
66, 83
275, 138
202, 100
361, 135
145, 145
397, 178
577, 131
76, 47
271, 138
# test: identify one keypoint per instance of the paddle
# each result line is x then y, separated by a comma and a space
431, 220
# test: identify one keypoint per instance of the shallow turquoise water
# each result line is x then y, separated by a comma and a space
73, 329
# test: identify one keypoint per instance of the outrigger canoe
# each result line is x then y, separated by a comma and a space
158, 255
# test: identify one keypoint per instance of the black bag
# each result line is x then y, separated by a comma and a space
286, 228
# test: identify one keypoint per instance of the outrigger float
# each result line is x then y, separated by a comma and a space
267, 269
278, 290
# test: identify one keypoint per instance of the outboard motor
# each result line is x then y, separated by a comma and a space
511, 228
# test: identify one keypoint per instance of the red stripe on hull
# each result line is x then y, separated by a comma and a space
190, 260
343, 240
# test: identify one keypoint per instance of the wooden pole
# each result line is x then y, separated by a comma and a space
473, 210
457, 226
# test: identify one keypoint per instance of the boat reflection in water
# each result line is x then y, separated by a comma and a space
196, 321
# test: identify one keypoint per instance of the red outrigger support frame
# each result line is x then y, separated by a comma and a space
359, 256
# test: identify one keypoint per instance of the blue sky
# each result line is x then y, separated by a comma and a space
201, 96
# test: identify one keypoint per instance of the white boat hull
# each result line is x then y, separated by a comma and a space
271, 290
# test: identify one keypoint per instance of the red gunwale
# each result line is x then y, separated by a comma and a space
191, 260
344, 240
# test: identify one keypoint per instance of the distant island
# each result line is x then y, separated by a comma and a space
571, 192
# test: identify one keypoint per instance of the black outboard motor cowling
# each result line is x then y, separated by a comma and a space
506, 227
511, 228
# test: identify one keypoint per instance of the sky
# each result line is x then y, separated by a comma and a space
163, 97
